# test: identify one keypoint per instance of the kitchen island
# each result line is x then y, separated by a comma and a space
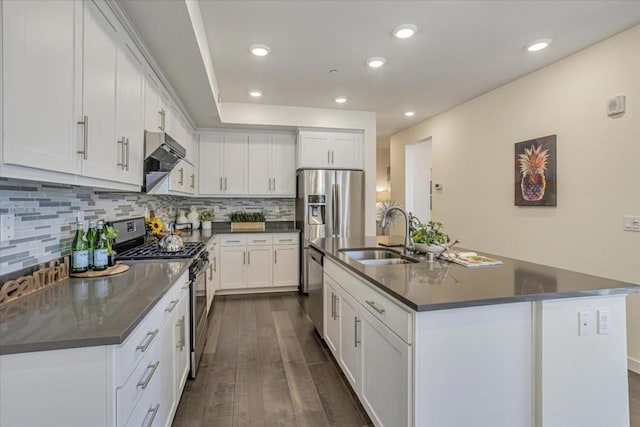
439, 344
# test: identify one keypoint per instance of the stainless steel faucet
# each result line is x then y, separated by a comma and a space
408, 243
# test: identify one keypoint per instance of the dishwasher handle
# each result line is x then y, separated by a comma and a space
316, 256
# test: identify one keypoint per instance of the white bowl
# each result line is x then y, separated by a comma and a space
434, 249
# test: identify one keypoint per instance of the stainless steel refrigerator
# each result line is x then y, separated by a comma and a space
329, 203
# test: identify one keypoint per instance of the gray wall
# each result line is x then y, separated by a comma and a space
45, 215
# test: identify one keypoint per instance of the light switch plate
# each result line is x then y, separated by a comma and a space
631, 223
585, 323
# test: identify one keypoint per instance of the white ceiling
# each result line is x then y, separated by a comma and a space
462, 49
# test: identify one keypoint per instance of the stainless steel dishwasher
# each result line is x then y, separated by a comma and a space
315, 302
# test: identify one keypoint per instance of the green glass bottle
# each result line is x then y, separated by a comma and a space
80, 251
91, 240
100, 250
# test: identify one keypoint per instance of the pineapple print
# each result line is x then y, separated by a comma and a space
533, 164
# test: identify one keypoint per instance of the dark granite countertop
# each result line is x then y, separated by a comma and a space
87, 312
442, 285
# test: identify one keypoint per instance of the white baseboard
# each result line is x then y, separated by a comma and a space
633, 365
256, 290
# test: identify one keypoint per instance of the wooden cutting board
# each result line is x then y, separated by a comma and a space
116, 269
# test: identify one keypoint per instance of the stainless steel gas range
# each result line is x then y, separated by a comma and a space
130, 246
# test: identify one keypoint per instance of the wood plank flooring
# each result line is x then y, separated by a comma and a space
264, 365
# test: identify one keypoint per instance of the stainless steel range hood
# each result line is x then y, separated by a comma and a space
162, 153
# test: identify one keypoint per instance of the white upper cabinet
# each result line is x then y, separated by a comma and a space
129, 110
41, 98
329, 150
272, 165
223, 164
152, 108
73, 101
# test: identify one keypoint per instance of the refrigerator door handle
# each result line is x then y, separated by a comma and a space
336, 210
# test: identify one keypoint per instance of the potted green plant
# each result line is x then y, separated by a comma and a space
247, 221
429, 237
205, 219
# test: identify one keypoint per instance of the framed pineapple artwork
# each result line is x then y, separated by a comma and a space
535, 172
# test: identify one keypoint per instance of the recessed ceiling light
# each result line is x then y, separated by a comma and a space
341, 99
405, 31
537, 45
255, 93
409, 113
260, 50
376, 62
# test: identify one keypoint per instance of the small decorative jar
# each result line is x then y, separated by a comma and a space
194, 218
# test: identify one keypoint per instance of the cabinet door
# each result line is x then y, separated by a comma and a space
99, 93
346, 151
151, 110
386, 366
166, 370
210, 180
283, 165
235, 164
129, 110
233, 259
331, 316
285, 265
41, 101
314, 150
259, 266
350, 351
164, 106
181, 342
179, 176
260, 178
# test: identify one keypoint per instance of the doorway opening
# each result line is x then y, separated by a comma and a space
417, 195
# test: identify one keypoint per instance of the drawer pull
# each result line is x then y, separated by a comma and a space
260, 240
356, 341
144, 383
233, 241
285, 240
171, 306
185, 286
373, 305
153, 411
150, 336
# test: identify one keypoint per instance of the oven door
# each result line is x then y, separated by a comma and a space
198, 292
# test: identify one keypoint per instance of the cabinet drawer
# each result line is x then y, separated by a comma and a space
285, 239
144, 379
212, 244
235, 240
395, 317
129, 353
260, 240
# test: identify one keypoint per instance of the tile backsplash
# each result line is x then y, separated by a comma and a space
45, 215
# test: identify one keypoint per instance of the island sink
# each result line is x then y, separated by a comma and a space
377, 256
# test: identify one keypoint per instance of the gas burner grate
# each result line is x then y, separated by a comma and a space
153, 251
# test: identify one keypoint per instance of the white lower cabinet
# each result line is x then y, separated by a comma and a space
258, 261
376, 361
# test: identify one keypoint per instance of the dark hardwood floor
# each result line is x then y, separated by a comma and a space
264, 365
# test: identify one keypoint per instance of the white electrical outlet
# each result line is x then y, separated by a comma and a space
631, 223
7, 227
604, 321
276, 209
216, 209
585, 324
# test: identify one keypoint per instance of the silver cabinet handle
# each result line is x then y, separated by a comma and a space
375, 307
248, 257
171, 306
259, 240
121, 164
144, 383
332, 157
329, 156
274, 184
244, 257
85, 143
285, 240
162, 119
150, 336
181, 340
356, 341
269, 183
181, 182
275, 256
215, 268
233, 241
220, 183
333, 306
225, 183
126, 147
185, 287
193, 180
153, 411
